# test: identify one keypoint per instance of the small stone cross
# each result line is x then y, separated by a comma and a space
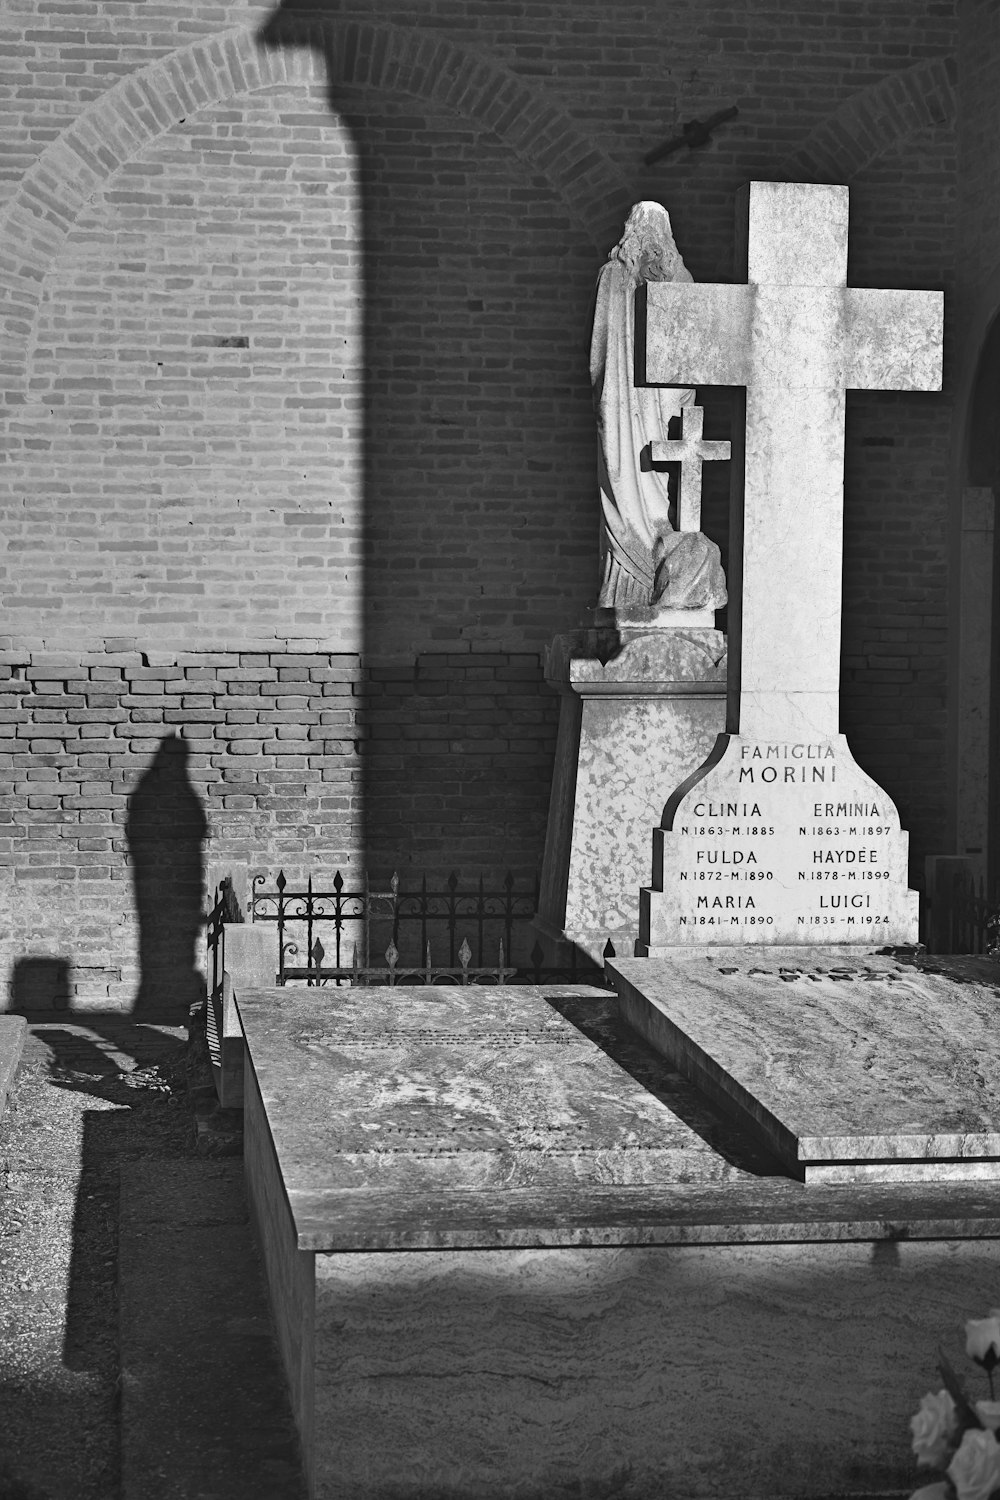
691, 450
796, 336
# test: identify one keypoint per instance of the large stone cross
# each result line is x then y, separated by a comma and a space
780, 837
796, 337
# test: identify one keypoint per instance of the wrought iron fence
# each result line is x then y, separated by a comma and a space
225, 908
425, 936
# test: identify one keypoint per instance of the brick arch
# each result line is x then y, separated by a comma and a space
874, 119
117, 126
466, 82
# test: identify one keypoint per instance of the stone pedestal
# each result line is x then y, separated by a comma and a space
641, 709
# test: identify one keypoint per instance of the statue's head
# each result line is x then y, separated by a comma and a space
647, 247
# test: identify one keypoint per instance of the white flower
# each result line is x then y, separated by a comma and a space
937, 1491
975, 1469
932, 1426
982, 1338
988, 1413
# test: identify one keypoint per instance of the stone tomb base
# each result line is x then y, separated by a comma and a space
511, 1252
875, 1067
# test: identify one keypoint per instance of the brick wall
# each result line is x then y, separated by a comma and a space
294, 357
188, 454
974, 623
458, 760
894, 680
126, 769
979, 122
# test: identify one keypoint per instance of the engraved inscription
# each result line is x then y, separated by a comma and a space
784, 836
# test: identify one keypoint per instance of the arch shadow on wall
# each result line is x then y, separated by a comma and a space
546, 153
165, 824
295, 46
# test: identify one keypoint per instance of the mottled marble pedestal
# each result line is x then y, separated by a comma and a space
511, 1251
641, 708
848, 1067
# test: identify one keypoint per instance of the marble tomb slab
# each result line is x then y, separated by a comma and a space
416, 1090
562, 1327
848, 1066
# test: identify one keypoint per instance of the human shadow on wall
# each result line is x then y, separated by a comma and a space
166, 829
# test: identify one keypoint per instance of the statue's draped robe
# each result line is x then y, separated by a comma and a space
644, 561
629, 417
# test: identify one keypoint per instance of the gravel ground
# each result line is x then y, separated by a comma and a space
87, 1097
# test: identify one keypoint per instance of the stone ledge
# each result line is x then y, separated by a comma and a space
638, 662
774, 1211
641, 1158
13, 1030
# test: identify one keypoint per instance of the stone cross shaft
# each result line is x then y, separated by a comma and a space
691, 449
796, 337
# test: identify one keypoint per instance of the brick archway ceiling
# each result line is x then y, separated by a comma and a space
118, 125
874, 119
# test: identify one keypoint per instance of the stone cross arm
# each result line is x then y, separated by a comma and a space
872, 339
690, 450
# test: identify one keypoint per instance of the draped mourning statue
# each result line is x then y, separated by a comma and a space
644, 560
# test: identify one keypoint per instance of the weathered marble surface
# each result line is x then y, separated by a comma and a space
290, 1271
750, 1371
640, 661
712, 1331
640, 709
691, 450
848, 1065
646, 617
796, 337
452, 1087
778, 842
644, 560
643, 1158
